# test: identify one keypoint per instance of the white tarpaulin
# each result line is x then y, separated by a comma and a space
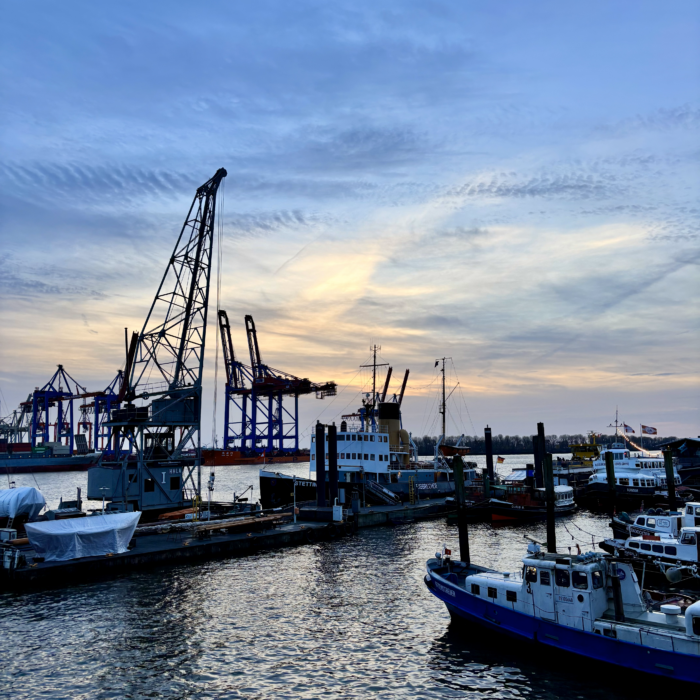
23, 501
92, 536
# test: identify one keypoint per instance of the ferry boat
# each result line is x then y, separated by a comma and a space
636, 477
590, 605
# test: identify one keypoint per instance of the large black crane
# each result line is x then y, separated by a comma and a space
157, 445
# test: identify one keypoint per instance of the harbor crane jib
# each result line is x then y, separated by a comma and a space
156, 431
257, 419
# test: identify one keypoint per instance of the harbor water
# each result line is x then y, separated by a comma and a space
349, 618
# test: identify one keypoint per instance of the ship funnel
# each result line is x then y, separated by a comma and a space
389, 421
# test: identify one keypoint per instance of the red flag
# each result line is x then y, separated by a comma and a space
648, 430
628, 429
500, 460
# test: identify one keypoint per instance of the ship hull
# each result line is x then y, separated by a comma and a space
512, 513
37, 465
467, 609
276, 489
231, 458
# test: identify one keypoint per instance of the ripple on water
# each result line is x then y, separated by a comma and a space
345, 619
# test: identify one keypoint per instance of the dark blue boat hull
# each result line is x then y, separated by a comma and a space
658, 662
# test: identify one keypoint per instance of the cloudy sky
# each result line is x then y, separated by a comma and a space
512, 185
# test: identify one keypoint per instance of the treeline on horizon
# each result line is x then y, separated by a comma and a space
522, 444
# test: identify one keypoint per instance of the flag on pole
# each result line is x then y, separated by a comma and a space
648, 430
628, 429
500, 460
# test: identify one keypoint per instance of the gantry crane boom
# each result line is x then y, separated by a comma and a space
254, 348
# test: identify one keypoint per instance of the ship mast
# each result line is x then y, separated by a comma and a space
374, 366
443, 403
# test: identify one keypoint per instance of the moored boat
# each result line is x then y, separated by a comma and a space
590, 605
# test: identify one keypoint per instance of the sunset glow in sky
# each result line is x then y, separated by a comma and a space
513, 185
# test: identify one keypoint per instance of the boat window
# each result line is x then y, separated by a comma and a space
672, 551
634, 545
624, 482
658, 548
689, 510
531, 574
371, 438
562, 578
697, 510
651, 522
597, 578
493, 593
174, 483
366, 456
645, 547
544, 578
341, 437
371, 457
511, 596
313, 438
580, 580
640, 521
696, 626
688, 538
354, 455
149, 485
610, 633
354, 437
635, 482
366, 438
475, 588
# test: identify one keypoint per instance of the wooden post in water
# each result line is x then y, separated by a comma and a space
539, 481
670, 480
610, 474
320, 465
548, 474
462, 527
333, 462
489, 452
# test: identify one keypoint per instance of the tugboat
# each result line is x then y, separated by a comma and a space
587, 604
590, 605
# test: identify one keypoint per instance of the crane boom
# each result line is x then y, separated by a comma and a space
254, 348
171, 344
232, 378
386, 383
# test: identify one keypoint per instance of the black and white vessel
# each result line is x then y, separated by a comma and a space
376, 457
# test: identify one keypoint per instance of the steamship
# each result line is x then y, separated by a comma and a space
376, 458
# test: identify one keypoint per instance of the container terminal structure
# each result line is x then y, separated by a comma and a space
259, 424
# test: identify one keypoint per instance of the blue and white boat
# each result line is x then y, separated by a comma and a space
590, 605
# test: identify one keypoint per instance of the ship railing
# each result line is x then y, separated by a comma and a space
363, 429
403, 449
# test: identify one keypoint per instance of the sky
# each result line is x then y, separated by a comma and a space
510, 185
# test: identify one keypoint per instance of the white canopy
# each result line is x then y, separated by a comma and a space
23, 501
74, 538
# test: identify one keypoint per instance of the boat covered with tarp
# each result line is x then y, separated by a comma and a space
96, 535
25, 501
